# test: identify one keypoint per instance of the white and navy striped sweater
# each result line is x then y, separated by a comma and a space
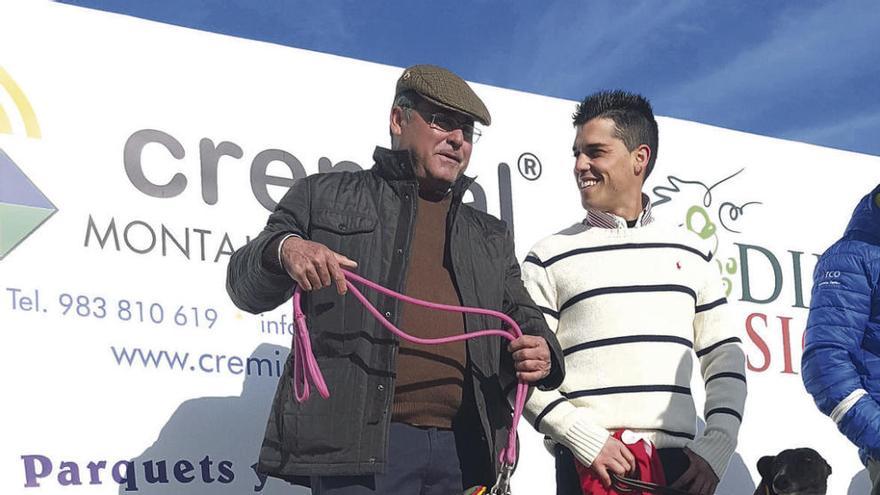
631, 307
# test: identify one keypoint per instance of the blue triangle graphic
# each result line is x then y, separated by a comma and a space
16, 188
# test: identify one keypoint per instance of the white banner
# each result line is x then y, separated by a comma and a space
136, 156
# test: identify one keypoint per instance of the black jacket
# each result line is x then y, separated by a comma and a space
368, 217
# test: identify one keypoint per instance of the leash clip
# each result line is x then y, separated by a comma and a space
502, 483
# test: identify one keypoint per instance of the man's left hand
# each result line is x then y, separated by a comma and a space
531, 358
699, 479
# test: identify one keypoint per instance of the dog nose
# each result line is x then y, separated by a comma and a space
781, 483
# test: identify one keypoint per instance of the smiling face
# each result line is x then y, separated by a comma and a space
439, 157
609, 177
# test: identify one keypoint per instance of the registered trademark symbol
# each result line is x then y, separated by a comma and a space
529, 166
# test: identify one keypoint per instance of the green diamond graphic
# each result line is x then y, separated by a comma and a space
23, 207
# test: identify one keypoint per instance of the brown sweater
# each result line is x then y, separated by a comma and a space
428, 388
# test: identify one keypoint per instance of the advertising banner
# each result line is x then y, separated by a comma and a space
135, 157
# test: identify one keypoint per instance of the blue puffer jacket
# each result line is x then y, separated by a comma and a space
841, 361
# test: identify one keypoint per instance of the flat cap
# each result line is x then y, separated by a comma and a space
443, 88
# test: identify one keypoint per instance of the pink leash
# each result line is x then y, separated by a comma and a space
306, 368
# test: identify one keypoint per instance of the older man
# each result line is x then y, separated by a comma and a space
400, 418
630, 300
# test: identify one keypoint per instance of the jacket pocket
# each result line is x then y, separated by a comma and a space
348, 233
343, 222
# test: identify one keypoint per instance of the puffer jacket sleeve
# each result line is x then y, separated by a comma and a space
253, 284
843, 286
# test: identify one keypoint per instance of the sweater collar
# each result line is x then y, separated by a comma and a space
605, 220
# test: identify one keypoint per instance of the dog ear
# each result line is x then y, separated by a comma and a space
828, 466
765, 466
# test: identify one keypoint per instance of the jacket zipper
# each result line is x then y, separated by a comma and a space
409, 195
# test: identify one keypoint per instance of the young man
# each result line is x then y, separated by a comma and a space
841, 361
401, 419
630, 301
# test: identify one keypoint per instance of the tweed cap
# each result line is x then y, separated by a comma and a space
443, 88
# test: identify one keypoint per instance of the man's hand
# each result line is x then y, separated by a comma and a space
531, 358
699, 479
313, 265
614, 457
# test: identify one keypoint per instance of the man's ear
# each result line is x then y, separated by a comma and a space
641, 156
765, 466
396, 121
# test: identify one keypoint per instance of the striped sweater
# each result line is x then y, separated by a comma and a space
631, 307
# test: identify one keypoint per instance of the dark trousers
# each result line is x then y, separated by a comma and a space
421, 461
674, 461
874, 474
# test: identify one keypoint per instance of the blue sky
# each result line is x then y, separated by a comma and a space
804, 70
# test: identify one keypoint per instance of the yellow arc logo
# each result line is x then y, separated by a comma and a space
31, 126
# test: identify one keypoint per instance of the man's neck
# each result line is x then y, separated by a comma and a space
629, 211
434, 196
433, 190
618, 217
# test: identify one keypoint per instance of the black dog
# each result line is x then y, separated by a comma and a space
793, 472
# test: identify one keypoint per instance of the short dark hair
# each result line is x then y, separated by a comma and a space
632, 115
407, 100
